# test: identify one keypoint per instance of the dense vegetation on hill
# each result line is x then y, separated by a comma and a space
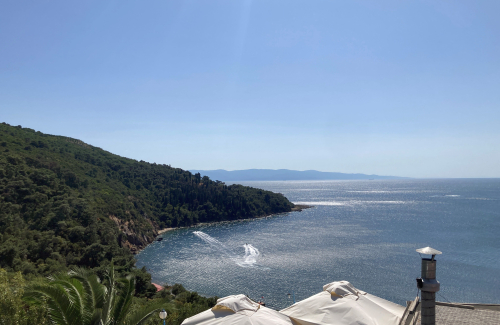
64, 202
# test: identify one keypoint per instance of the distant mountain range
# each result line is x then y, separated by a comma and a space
281, 175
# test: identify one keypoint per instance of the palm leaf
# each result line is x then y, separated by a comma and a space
79, 298
95, 292
124, 300
76, 293
59, 304
109, 301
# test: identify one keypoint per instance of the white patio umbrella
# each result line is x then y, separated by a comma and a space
340, 303
238, 310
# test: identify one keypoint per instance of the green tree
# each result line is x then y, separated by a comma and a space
80, 298
13, 310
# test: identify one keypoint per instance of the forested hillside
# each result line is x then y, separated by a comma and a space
64, 202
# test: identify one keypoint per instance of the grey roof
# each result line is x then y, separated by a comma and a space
455, 314
447, 315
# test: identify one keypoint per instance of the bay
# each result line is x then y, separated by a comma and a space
365, 232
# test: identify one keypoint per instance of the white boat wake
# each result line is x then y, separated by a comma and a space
248, 260
251, 255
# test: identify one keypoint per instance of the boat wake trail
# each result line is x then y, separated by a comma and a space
248, 260
251, 255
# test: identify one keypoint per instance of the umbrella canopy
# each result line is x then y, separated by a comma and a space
238, 310
340, 303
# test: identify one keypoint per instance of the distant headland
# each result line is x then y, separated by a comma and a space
283, 175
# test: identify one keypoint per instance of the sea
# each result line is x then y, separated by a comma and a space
364, 232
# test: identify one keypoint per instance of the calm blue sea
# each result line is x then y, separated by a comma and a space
365, 232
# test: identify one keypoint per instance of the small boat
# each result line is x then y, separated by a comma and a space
160, 239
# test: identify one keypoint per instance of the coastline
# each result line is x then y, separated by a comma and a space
296, 208
286, 238
165, 230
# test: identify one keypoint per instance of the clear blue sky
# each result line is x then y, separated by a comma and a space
408, 88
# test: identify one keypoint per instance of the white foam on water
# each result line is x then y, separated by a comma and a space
251, 255
248, 260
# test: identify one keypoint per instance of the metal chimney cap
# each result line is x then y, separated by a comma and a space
429, 250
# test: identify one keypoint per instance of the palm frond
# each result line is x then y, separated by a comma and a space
94, 291
76, 293
124, 300
96, 317
79, 298
60, 307
109, 300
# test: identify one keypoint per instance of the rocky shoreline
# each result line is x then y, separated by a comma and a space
296, 208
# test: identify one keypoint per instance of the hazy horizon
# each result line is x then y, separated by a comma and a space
387, 88
329, 171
